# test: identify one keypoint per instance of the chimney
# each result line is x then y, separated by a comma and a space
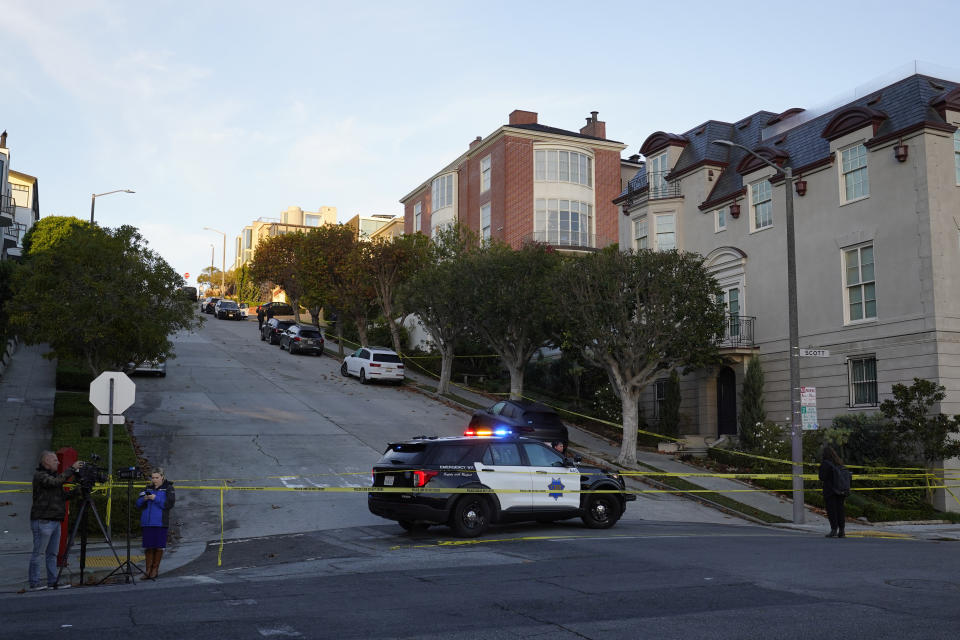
475, 142
594, 128
635, 158
518, 116
3, 140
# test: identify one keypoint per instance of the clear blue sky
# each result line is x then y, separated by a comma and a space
218, 112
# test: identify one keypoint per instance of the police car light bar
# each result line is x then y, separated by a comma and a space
486, 433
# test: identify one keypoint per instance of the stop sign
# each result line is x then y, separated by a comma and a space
124, 391
186, 275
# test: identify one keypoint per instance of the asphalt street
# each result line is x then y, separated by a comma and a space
645, 580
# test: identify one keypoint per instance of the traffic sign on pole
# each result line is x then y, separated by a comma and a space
124, 392
808, 408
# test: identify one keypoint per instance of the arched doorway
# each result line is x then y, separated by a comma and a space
726, 402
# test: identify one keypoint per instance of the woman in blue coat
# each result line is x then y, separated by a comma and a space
155, 503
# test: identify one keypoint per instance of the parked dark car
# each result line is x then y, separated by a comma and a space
441, 481
190, 293
276, 309
523, 417
228, 310
273, 328
208, 305
300, 338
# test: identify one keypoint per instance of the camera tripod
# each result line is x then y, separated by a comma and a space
126, 566
81, 525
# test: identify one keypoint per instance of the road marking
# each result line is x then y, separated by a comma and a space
460, 543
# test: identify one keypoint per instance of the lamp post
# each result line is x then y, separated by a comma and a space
223, 268
93, 199
211, 265
796, 442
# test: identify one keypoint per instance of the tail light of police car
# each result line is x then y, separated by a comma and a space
375, 364
421, 478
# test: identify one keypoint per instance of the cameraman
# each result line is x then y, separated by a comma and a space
46, 514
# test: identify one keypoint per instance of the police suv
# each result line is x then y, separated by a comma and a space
498, 479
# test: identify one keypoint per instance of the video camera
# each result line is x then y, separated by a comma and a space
90, 473
129, 473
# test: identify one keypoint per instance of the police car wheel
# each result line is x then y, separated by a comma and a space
471, 516
602, 511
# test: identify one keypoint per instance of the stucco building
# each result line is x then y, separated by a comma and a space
291, 220
877, 219
19, 204
527, 182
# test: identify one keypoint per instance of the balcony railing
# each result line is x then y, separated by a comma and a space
577, 240
7, 204
738, 331
660, 187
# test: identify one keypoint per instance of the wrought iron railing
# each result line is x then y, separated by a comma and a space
660, 187
7, 204
557, 238
738, 331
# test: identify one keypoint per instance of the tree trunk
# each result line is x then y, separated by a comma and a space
446, 369
516, 379
629, 400
394, 333
362, 331
340, 337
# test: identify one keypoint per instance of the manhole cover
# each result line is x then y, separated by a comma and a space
927, 585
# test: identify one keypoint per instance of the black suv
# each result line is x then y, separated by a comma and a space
273, 328
496, 479
523, 417
302, 339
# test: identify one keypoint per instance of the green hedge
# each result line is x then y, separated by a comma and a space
73, 427
73, 377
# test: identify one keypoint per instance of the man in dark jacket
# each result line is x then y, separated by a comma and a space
47, 512
260, 316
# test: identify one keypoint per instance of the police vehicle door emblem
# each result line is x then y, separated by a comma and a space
556, 489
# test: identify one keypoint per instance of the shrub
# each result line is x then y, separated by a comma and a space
68, 403
752, 412
72, 377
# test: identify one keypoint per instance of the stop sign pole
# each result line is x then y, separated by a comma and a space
112, 393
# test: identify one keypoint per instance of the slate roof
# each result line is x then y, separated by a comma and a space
560, 132
905, 102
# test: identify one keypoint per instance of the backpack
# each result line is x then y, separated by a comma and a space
841, 480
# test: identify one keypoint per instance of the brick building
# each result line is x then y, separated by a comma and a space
527, 182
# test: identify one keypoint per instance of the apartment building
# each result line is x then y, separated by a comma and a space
367, 227
877, 219
527, 182
19, 204
291, 220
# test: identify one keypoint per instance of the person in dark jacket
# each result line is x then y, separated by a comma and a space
833, 500
46, 513
260, 316
155, 503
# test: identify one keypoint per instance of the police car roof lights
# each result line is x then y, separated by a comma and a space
498, 432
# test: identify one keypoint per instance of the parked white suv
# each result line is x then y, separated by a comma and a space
373, 363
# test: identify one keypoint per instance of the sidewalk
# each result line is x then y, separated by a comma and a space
27, 389
592, 446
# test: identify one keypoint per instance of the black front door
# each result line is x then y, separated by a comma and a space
727, 402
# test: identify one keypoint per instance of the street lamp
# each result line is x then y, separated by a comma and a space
211, 265
796, 442
223, 258
93, 199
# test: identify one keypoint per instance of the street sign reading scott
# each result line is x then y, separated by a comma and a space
124, 391
814, 353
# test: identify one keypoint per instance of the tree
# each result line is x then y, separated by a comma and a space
637, 314
6, 292
275, 260
437, 295
97, 296
932, 436
392, 262
512, 300
752, 413
246, 288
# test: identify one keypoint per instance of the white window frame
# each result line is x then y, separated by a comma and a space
563, 222
861, 286
417, 213
658, 234
761, 203
852, 366
442, 192
720, 220
485, 222
548, 166
657, 169
853, 167
641, 233
485, 174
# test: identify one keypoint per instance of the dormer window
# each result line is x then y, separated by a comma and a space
657, 169
761, 201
